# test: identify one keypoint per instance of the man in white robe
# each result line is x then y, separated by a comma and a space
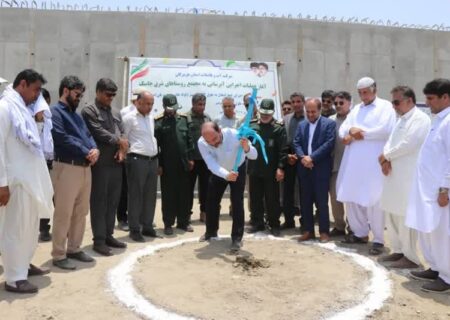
25, 187
398, 163
359, 183
428, 207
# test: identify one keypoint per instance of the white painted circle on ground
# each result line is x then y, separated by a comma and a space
121, 282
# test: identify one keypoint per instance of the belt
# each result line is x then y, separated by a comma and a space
74, 162
142, 157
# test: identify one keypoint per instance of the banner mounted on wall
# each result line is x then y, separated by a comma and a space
216, 79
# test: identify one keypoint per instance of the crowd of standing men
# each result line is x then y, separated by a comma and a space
379, 164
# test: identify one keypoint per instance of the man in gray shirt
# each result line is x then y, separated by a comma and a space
228, 118
291, 122
106, 129
342, 101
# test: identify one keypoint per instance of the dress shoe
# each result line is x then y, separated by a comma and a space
324, 237
137, 236
288, 225
80, 256
168, 231
150, 233
36, 271
376, 249
207, 237
187, 228
306, 236
403, 263
22, 286
114, 243
44, 236
64, 264
437, 286
236, 245
255, 229
202, 216
275, 231
337, 233
102, 249
123, 226
391, 257
425, 275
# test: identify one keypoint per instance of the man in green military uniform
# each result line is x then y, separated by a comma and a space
196, 118
175, 163
265, 178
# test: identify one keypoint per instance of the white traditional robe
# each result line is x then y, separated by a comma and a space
402, 150
424, 213
360, 179
359, 182
25, 173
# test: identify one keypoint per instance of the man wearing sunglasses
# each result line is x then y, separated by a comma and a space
428, 207
343, 102
360, 181
106, 128
398, 163
286, 108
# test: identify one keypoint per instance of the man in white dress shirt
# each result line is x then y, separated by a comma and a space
360, 181
142, 167
122, 217
428, 210
25, 187
219, 148
228, 119
398, 163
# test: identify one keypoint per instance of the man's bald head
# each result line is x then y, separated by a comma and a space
144, 102
211, 133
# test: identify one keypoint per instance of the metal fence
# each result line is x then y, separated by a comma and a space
55, 5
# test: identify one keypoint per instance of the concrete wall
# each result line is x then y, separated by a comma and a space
317, 55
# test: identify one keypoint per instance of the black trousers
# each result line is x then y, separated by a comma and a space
265, 194
123, 203
44, 225
290, 180
105, 193
175, 195
142, 187
202, 172
216, 189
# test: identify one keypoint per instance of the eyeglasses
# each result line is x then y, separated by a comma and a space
110, 94
397, 102
339, 103
78, 95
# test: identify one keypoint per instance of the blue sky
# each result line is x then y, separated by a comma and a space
422, 12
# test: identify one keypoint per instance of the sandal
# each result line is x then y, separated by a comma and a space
351, 238
22, 286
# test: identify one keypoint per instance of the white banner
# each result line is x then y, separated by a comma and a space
216, 79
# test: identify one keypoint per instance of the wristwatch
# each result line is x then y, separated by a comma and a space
443, 190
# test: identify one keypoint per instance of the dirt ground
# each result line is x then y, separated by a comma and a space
301, 281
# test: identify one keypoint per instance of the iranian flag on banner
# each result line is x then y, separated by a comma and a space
139, 71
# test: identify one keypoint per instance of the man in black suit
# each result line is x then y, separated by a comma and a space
314, 143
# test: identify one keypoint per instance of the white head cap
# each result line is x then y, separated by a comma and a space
137, 91
365, 82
